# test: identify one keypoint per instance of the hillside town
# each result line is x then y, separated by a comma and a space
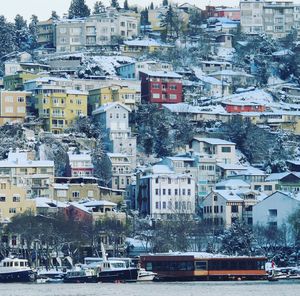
150, 129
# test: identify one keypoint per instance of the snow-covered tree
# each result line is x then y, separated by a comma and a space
165, 3
236, 240
7, 37
56, 151
54, 16
151, 6
115, 4
126, 6
33, 31
98, 7
78, 9
22, 33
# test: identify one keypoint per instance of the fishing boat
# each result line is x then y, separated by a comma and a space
81, 275
114, 270
15, 270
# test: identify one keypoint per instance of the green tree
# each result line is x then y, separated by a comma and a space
98, 7
33, 31
165, 3
7, 37
126, 7
151, 6
237, 240
171, 24
22, 33
115, 4
78, 9
54, 16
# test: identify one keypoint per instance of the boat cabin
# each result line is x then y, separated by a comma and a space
14, 262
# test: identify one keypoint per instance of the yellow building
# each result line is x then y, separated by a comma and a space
130, 97
16, 81
13, 201
34, 176
59, 107
12, 106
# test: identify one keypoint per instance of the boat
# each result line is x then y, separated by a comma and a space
284, 273
114, 270
52, 275
15, 270
203, 266
145, 276
81, 275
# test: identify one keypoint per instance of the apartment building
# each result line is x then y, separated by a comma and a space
125, 94
45, 31
162, 195
161, 87
274, 18
35, 176
80, 165
12, 106
96, 30
58, 106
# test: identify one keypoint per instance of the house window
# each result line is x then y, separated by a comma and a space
75, 194
221, 209
156, 191
2, 198
273, 212
234, 209
216, 209
226, 149
164, 204
189, 192
268, 187
164, 191
176, 191
12, 210
157, 205
3, 186
169, 191
16, 198
189, 180
183, 191
215, 198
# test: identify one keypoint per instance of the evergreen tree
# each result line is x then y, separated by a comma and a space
165, 3
98, 7
126, 7
54, 16
22, 33
115, 4
7, 37
151, 6
78, 9
33, 32
170, 23
144, 17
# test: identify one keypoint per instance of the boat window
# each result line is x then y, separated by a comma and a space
16, 264
201, 265
22, 263
10, 264
4, 264
117, 265
149, 266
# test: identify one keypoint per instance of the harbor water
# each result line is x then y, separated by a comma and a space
280, 288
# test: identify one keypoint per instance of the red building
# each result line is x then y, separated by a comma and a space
238, 107
161, 87
223, 11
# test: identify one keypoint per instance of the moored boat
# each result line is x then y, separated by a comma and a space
15, 270
145, 276
81, 275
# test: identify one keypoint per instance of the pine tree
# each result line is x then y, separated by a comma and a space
33, 32
54, 16
22, 33
7, 37
98, 7
126, 7
115, 4
78, 9
151, 6
165, 3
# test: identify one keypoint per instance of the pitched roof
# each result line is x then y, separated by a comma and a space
213, 141
108, 106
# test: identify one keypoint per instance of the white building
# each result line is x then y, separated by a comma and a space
275, 18
275, 209
163, 194
80, 165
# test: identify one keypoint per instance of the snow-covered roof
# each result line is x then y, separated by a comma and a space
43, 202
108, 106
187, 108
178, 158
19, 159
76, 92
146, 43
213, 141
161, 169
165, 74
97, 203
279, 176
230, 73
229, 195
233, 184
229, 166
282, 52
79, 157
215, 63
